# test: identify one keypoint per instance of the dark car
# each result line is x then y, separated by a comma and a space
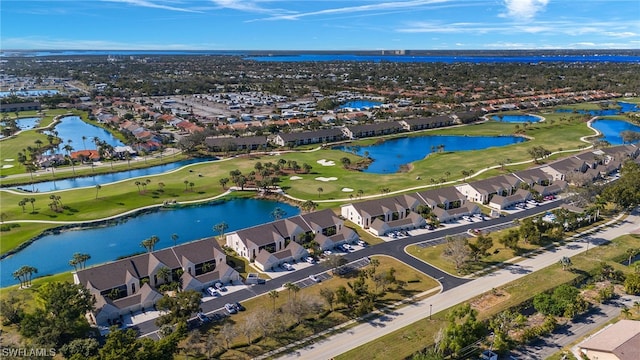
239, 307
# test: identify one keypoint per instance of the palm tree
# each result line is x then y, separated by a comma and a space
164, 273
221, 228
186, 183
32, 201
68, 148
278, 213
138, 185
308, 206
289, 286
84, 144
98, 187
631, 253
565, 261
320, 190
24, 274
626, 312
224, 182
273, 294
19, 275
174, 237
150, 243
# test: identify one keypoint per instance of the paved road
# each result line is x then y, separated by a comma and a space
571, 332
393, 249
366, 332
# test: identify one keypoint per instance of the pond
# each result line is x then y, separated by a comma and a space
391, 154
624, 108
74, 129
87, 181
28, 93
611, 129
359, 104
51, 254
517, 118
26, 123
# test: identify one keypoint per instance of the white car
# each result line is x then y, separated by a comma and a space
346, 247
314, 278
327, 252
310, 260
362, 243
287, 266
212, 291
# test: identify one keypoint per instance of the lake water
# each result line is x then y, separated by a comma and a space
51, 254
624, 108
26, 123
73, 128
28, 93
516, 118
391, 154
87, 181
611, 129
359, 104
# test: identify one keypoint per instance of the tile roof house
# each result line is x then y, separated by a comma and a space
620, 341
131, 284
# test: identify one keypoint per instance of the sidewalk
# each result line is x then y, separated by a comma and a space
362, 334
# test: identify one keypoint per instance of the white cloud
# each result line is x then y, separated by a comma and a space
385, 6
155, 5
524, 9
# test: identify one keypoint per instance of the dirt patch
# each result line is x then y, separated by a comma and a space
490, 299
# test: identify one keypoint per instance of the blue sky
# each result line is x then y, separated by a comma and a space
319, 25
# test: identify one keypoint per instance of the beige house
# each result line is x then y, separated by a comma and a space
620, 341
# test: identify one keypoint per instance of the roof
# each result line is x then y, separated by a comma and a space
238, 141
295, 136
380, 126
494, 184
621, 339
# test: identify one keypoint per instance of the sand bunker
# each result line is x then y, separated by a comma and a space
325, 179
295, 178
347, 189
7, 166
9, 160
324, 162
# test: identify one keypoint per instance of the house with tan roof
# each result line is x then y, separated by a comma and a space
620, 341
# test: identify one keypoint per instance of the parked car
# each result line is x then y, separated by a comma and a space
211, 291
220, 286
362, 243
287, 266
327, 252
310, 260
202, 317
239, 307
314, 278
230, 308
346, 247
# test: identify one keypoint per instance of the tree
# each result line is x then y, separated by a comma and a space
273, 294
175, 238
346, 163
120, 344
98, 187
80, 349
334, 262
632, 284
228, 332
484, 243
150, 243
320, 190
631, 253
220, 228
510, 239
565, 261
180, 307
308, 206
24, 274
329, 296
79, 260
626, 312
224, 182
278, 213
457, 251
463, 329
164, 273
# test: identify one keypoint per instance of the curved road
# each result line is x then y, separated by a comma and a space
393, 249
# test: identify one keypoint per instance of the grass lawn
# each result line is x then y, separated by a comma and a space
498, 254
415, 337
415, 283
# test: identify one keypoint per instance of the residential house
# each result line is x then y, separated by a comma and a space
15, 107
619, 341
482, 191
133, 283
504, 202
236, 143
375, 129
426, 123
308, 137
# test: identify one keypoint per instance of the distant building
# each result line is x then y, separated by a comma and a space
27, 106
